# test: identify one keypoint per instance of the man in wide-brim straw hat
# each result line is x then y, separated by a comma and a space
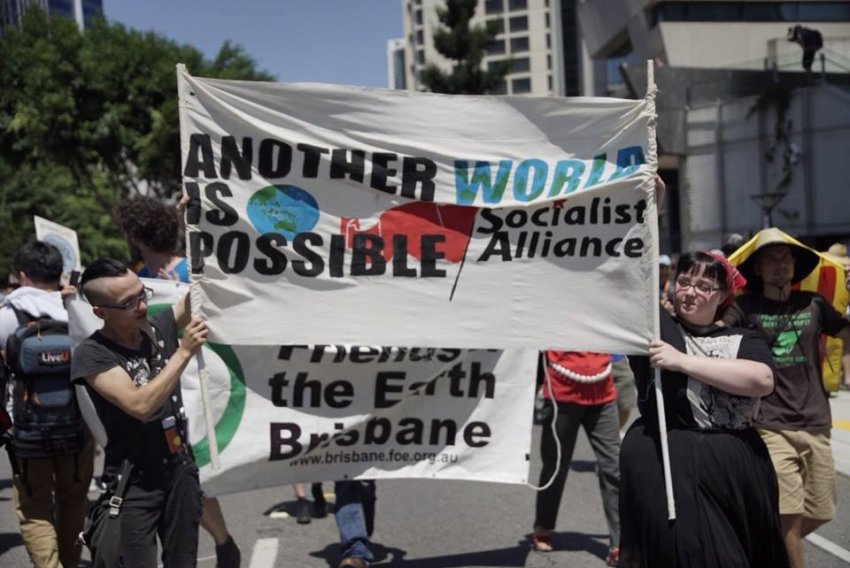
795, 419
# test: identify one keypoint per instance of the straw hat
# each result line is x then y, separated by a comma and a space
805, 259
838, 254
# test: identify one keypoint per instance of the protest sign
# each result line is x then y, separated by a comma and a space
330, 214
62, 238
284, 414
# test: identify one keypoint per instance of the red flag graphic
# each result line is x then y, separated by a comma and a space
454, 222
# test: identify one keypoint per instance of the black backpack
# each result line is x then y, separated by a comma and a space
46, 418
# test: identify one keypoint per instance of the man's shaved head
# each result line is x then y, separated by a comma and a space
92, 282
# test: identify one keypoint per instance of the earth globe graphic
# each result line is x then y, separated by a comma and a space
283, 209
66, 249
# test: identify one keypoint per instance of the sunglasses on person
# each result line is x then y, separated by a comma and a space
683, 283
133, 303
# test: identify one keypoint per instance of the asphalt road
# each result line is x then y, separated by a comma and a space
428, 524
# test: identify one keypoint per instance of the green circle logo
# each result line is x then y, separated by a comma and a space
228, 424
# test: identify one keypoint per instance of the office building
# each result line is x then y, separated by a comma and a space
529, 37
395, 64
81, 11
746, 135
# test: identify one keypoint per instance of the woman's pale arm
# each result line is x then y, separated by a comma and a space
741, 377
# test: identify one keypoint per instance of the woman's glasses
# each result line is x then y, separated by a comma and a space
683, 283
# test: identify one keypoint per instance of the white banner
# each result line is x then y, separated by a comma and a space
289, 414
331, 214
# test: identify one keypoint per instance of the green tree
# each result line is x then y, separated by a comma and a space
466, 47
87, 119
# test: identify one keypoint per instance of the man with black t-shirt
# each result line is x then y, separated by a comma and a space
131, 369
795, 419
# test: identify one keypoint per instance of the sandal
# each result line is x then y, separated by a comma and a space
613, 558
541, 542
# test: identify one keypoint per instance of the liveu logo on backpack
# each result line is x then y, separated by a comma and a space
47, 420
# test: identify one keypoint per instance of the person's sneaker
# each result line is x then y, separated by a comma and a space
353, 562
227, 555
303, 512
613, 558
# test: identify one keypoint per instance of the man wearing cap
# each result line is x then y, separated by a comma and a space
795, 419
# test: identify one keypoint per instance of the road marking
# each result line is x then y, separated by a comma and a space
264, 554
841, 425
828, 546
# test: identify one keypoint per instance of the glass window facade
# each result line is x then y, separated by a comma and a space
519, 44
497, 24
791, 12
823, 11
496, 47
514, 5
519, 23
11, 11
92, 9
494, 6
494, 63
521, 86
520, 65
64, 8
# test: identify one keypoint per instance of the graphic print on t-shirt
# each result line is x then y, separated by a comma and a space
141, 368
784, 344
786, 331
139, 371
712, 407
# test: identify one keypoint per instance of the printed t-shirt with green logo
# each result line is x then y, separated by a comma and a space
792, 330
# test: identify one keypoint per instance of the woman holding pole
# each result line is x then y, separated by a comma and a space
723, 480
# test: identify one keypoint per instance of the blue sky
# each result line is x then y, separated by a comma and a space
327, 41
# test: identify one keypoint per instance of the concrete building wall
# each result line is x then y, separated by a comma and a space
740, 45
722, 154
605, 23
727, 164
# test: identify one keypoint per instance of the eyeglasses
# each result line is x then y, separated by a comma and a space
133, 303
683, 283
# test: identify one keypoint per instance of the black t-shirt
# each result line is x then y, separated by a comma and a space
99, 354
792, 330
689, 403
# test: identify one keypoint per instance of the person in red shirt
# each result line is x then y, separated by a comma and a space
581, 387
